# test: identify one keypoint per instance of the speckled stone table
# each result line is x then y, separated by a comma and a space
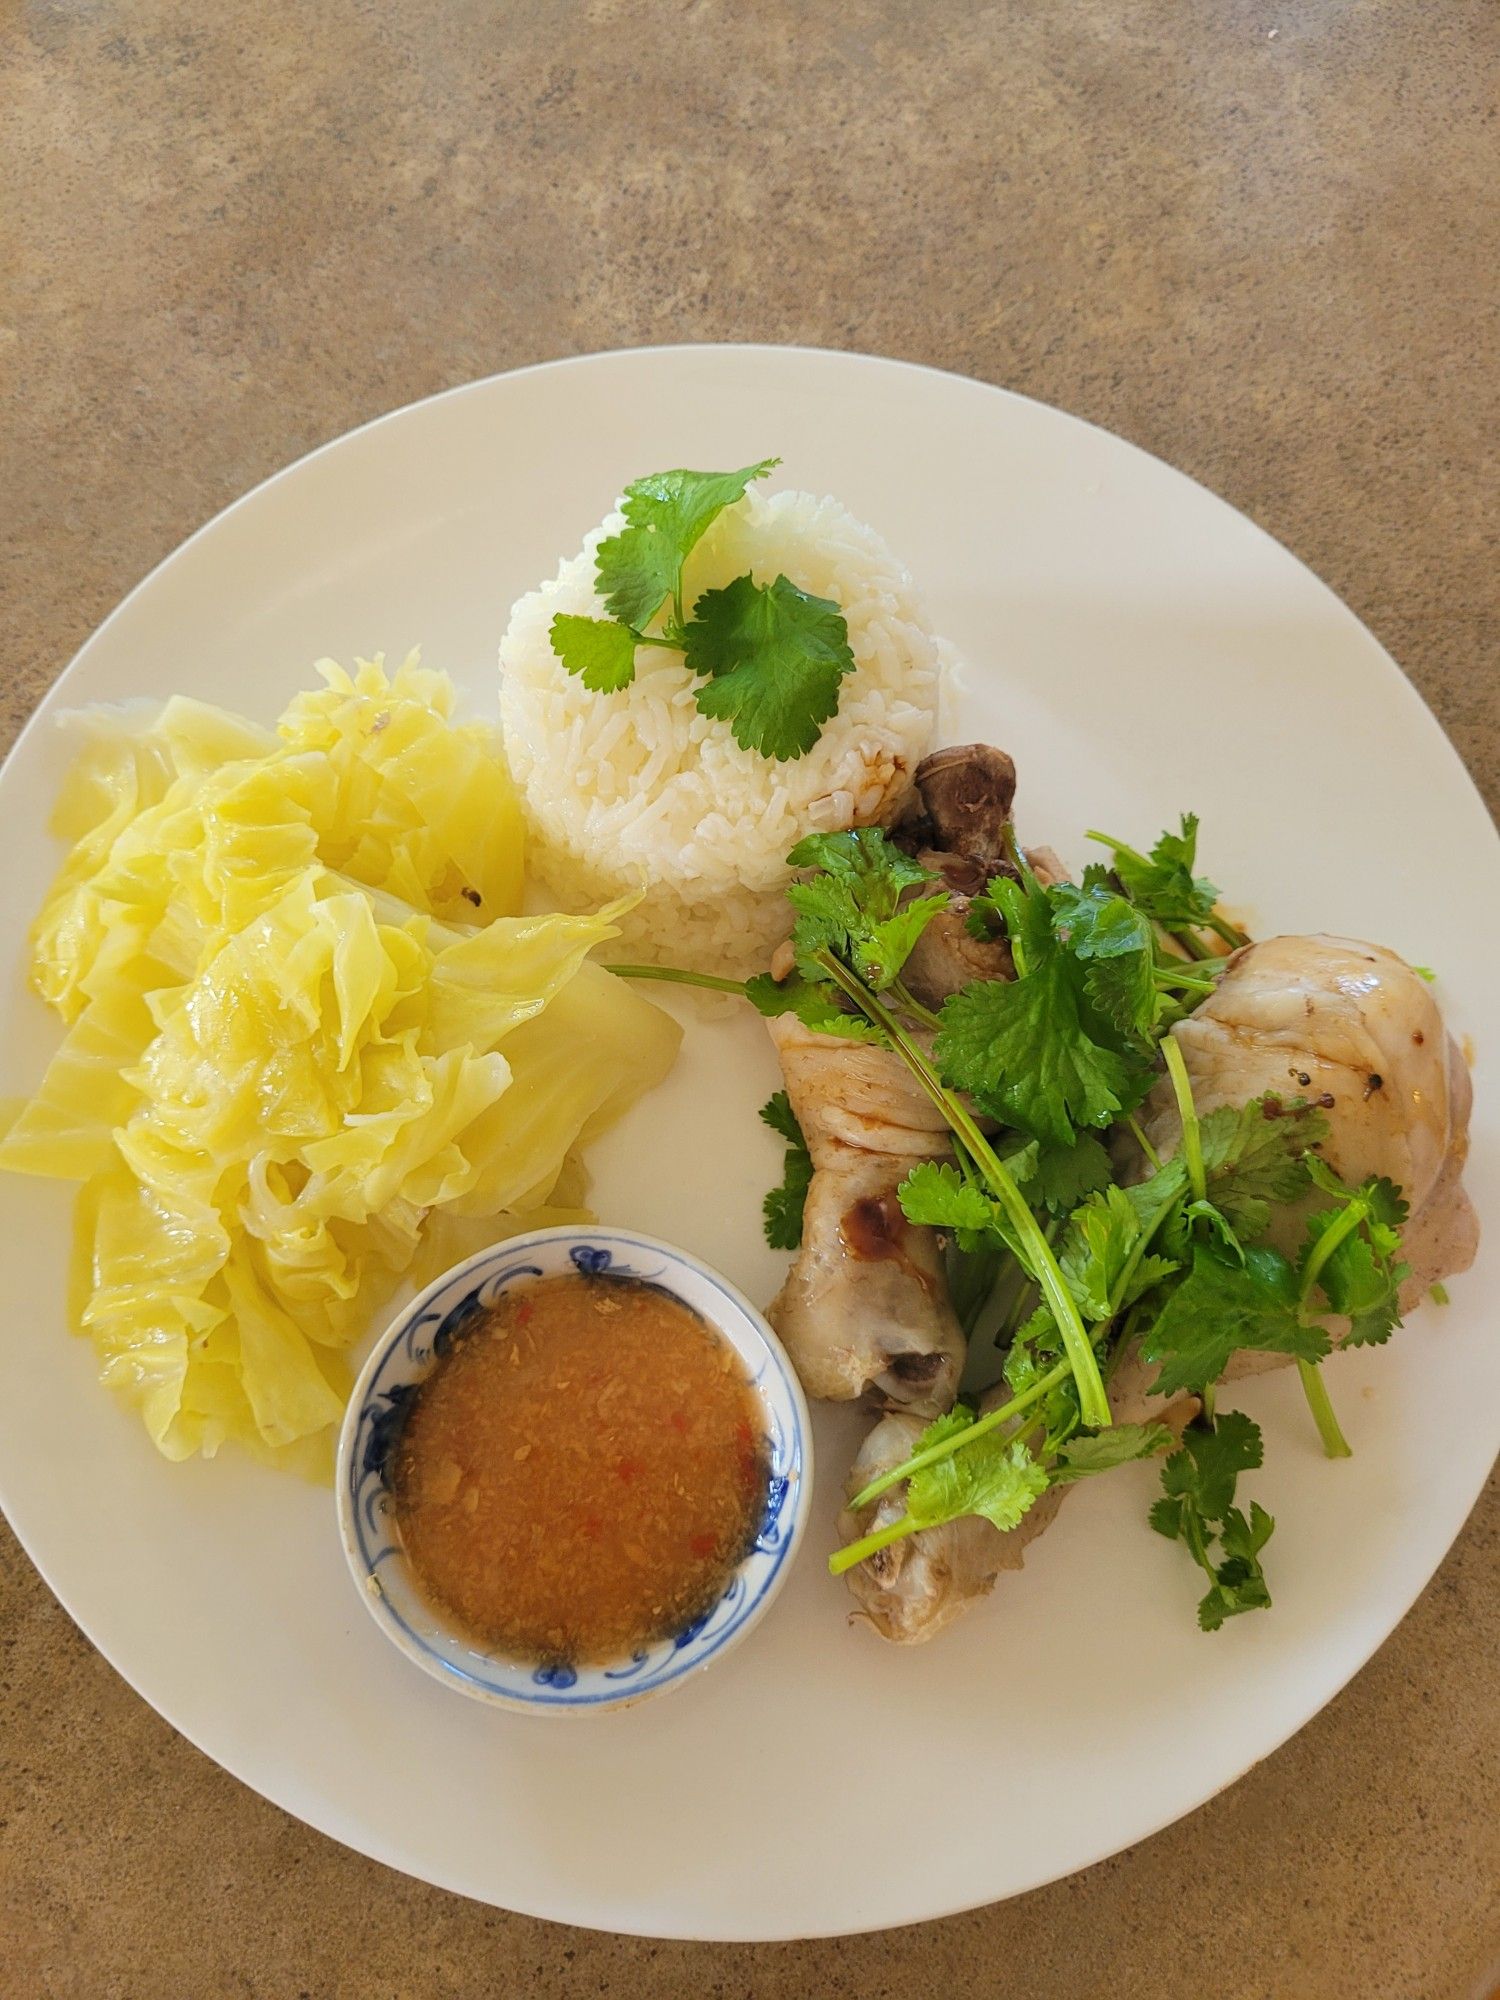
1259, 239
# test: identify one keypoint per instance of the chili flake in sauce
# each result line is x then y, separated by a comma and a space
582, 1471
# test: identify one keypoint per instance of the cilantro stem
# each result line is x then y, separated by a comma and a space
1017, 1310
1092, 1401
1042, 1386
914, 1007
1119, 846
1193, 1535
1335, 1445
1137, 1132
1323, 1249
649, 639
1334, 1442
1231, 933
679, 977
1438, 1294
1191, 943
1187, 981
1192, 1138
870, 1545
1127, 1334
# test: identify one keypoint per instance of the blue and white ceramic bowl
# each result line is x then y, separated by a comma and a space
401, 1359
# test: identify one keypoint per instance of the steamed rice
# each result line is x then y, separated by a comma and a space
639, 790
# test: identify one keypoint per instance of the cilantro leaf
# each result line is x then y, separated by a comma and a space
816, 1006
1362, 1281
1239, 1581
667, 514
1382, 1197
774, 656
601, 654
866, 856
1025, 1049
936, 1194
958, 1419
854, 906
681, 505
1098, 1257
636, 571
1197, 1505
1256, 1157
1162, 885
887, 945
1036, 1051
1220, 1306
1057, 1178
1118, 948
1361, 1276
1036, 1346
783, 1206
1101, 1451
777, 1112
1204, 1471
991, 1477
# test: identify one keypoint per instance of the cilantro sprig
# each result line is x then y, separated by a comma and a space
1000, 1476
1163, 887
769, 658
1197, 1507
783, 1206
1070, 1043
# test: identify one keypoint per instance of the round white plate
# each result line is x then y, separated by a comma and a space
1140, 648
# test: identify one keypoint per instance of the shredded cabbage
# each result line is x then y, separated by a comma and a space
313, 1049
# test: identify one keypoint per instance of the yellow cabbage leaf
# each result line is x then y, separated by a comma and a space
313, 1051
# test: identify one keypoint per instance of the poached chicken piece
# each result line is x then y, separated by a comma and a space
912, 1588
1353, 1030
865, 1307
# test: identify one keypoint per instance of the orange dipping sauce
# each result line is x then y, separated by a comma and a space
582, 1472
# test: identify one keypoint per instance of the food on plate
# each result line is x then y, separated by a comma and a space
581, 1472
865, 1306
1139, 1152
1074, 1146
1355, 1031
718, 672
911, 1586
312, 1049
865, 1309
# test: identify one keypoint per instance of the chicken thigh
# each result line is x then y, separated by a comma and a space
1350, 1028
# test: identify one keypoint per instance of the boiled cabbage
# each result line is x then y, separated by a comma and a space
314, 1051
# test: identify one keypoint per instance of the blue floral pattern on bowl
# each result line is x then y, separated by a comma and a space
395, 1369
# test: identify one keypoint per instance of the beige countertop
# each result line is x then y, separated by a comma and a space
1258, 239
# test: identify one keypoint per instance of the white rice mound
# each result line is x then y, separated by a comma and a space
638, 790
